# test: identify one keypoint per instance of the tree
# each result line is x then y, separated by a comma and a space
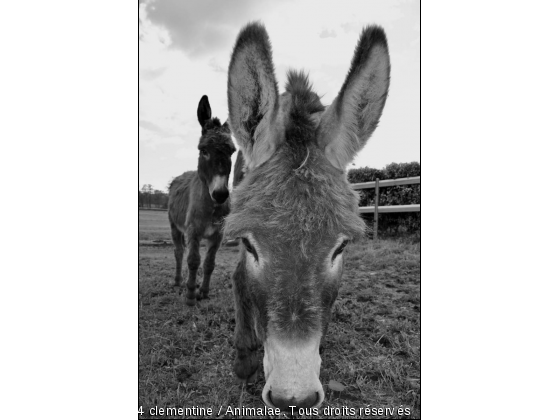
147, 197
159, 198
148, 190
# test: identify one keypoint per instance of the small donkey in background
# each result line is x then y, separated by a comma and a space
199, 201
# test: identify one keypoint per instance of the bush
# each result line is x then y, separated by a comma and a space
392, 224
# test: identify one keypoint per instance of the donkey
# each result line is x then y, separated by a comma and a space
199, 202
295, 211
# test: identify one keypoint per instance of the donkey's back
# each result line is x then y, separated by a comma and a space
179, 198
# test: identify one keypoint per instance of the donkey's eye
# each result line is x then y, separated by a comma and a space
340, 249
204, 152
249, 248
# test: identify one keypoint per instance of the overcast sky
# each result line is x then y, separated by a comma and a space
185, 47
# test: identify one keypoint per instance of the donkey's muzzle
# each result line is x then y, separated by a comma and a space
218, 189
220, 196
291, 369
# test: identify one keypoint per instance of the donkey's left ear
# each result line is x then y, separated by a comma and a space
204, 111
350, 120
253, 95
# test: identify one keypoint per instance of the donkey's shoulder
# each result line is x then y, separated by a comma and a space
182, 183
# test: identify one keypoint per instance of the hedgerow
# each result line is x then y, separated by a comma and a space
391, 224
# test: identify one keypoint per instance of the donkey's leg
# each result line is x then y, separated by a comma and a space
193, 262
209, 263
246, 342
179, 242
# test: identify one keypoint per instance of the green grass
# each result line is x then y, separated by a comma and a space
153, 225
372, 346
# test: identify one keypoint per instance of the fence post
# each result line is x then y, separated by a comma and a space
375, 219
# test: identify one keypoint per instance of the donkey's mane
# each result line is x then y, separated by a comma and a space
211, 124
301, 124
217, 136
304, 100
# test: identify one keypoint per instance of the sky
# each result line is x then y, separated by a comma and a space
184, 53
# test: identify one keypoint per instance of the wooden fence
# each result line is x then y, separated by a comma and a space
376, 209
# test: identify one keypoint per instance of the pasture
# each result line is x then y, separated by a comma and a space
372, 347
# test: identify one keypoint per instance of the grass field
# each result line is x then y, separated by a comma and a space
153, 225
372, 347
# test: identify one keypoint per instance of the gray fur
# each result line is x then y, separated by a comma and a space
294, 207
238, 169
195, 214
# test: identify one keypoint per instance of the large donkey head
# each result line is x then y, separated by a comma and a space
295, 210
216, 148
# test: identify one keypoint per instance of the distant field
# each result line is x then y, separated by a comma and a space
372, 346
153, 225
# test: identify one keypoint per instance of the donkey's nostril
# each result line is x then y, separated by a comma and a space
285, 403
310, 401
220, 195
281, 403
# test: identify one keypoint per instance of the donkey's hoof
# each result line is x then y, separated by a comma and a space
250, 380
246, 368
190, 298
176, 282
253, 378
201, 295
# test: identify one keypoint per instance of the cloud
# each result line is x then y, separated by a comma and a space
174, 140
152, 127
216, 67
149, 141
351, 27
200, 28
185, 152
327, 34
186, 47
149, 74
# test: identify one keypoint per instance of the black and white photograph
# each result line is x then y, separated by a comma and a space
279, 209
280, 259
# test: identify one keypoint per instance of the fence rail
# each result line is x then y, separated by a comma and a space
387, 183
376, 209
391, 209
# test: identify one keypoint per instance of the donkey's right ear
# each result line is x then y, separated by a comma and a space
204, 111
348, 123
253, 95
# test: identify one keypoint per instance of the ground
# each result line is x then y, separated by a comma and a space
372, 348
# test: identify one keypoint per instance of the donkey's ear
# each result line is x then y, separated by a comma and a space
204, 111
348, 123
253, 95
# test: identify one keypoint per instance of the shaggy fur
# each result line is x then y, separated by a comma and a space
294, 207
239, 169
194, 213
